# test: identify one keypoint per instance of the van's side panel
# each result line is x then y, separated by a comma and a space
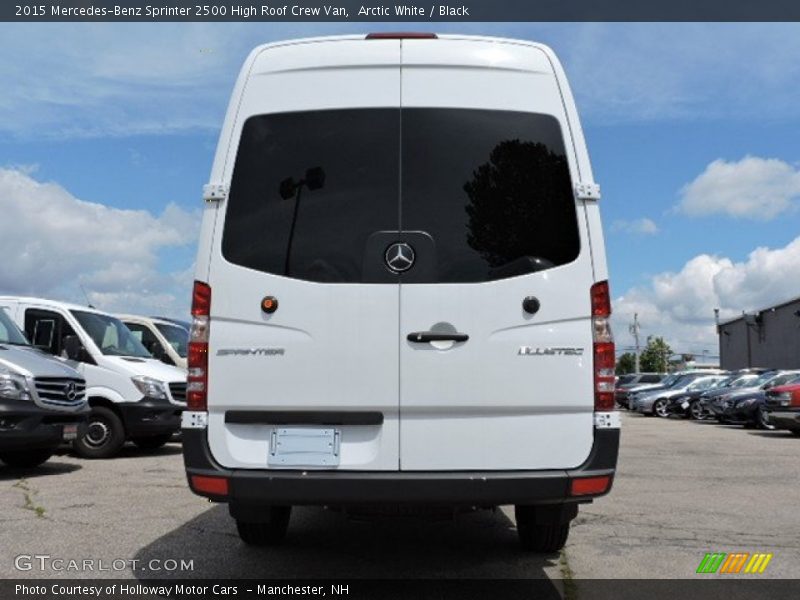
502, 399
333, 346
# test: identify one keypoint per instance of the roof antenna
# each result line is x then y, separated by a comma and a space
89, 304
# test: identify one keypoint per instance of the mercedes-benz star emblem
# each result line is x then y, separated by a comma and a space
399, 257
70, 391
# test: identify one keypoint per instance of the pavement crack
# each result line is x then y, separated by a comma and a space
28, 494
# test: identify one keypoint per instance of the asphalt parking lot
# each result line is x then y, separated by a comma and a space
683, 489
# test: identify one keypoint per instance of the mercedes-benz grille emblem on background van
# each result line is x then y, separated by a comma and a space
399, 257
70, 391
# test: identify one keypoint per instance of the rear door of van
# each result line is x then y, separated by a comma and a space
488, 207
313, 167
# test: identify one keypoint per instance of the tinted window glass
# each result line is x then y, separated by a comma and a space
650, 378
322, 237
110, 335
492, 188
178, 337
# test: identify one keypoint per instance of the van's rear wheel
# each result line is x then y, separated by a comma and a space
266, 533
538, 535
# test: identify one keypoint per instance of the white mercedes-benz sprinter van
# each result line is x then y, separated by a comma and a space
132, 395
401, 291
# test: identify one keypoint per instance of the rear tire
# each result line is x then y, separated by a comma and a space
104, 435
266, 533
26, 459
539, 537
153, 442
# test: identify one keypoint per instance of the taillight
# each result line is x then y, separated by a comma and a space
197, 388
603, 343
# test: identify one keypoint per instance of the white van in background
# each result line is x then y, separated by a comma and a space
165, 340
401, 291
132, 395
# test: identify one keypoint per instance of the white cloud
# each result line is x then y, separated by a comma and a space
679, 306
80, 79
752, 188
53, 243
643, 226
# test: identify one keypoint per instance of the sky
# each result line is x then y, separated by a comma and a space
107, 133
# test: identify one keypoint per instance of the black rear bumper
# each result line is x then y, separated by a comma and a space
471, 488
26, 426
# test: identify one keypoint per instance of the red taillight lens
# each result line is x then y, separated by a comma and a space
601, 300
585, 486
197, 380
201, 299
402, 35
604, 356
210, 485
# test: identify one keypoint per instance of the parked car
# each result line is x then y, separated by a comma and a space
669, 382
628, 382
165, 340
132, 395
782, 407
42, 400
656, 403
690, 404
314, 375
719, 404
749, 409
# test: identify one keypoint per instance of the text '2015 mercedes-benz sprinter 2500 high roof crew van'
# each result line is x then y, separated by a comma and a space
401, 291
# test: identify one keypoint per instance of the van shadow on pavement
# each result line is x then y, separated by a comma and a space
328, 544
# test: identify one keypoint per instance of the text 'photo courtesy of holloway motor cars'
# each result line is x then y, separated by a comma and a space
451, 310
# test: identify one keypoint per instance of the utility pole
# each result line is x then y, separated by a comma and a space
634, 329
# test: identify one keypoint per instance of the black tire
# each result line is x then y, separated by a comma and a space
660, 408
539, 537
104, 435
795, 432
696, 412
762, 421
268, 533
153, 442
26, 459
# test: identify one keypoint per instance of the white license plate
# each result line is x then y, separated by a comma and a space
69, 432
304, 447
684, 405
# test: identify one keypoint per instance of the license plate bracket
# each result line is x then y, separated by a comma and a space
304, 447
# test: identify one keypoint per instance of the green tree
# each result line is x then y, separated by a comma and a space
655, 357
626, 363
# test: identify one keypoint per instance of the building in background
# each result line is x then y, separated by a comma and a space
765, 338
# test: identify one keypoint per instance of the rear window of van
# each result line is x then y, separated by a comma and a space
491, 188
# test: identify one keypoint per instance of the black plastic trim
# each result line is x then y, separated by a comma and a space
304, 417
149, 416
485, 488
